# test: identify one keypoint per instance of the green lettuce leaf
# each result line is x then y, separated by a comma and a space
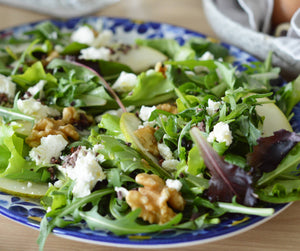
169, 47
33, 75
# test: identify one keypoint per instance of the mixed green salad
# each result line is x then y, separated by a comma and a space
140, 138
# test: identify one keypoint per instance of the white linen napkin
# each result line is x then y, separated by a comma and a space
257, 15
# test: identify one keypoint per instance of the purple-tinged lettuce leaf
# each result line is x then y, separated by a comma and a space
270, 151
227, 180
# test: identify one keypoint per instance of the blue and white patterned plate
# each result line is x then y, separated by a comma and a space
29, 212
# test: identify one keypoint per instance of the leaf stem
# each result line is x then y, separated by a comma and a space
106, 85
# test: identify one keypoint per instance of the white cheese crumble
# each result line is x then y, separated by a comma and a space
92, 53
145, 112
121, 191
103, 38
170, 164
83, 35
36, 109
175, 184
85, 173
212, 107
221, 133
34, 90
125, 82
207, 56
51, 146
7, 86
164, 151
199, 69
58, 183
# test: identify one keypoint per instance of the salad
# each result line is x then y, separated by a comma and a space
144, 137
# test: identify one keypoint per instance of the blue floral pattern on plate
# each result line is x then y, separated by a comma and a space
30, 212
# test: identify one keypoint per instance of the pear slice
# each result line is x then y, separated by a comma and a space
140, 58
129, 123
274, 118
23, 188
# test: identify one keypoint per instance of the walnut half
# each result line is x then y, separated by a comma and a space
50, 126
156, 200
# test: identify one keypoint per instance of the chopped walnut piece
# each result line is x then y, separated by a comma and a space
77, 118
51, 56
160, 67
50, 126
147, 139
167, 107
156, 200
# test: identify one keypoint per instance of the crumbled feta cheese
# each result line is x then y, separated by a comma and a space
98, 147
199, 69
7, 86
145, 112
121, 192
207, 56
103, 38
37, 88
212, 107
100, 157
175, 184
51, 146
53, 35
58, 183
170, 164
221, 133
85, 173
36, 109
125, 82
83, 35
59, 48
164, 151
92, 53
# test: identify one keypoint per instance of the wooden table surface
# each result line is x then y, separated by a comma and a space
279, 233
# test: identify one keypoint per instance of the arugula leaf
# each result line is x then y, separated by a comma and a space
12, 114
48, 31
118, 154
227, 73
125, 225
56, 216
201, 45
288, 96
